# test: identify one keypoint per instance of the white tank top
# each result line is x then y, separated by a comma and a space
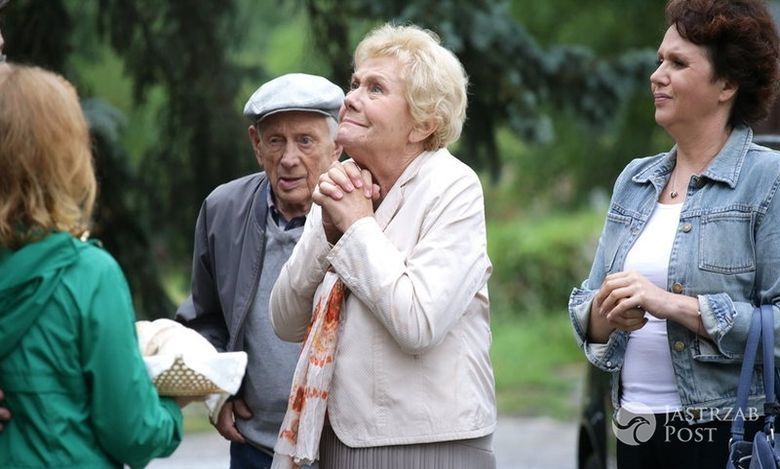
647, 375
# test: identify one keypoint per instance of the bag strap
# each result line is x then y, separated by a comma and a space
745, 376
768, 346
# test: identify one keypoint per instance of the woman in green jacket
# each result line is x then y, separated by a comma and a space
70, 368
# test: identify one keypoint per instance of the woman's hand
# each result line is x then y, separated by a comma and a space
346, 194
343, 178
5, 414
601, 325
621, 303
624, 297
624, 291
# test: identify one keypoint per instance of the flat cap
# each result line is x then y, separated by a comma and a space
295, 92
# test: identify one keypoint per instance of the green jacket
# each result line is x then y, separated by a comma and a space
70, 366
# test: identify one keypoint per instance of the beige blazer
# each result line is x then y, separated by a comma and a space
412, 364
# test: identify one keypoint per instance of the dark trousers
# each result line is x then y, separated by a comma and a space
676, 444
245, 456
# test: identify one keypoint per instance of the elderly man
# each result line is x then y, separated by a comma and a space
245, 232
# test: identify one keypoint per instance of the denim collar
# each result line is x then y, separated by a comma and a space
725, 167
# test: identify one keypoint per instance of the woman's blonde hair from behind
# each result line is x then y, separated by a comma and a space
435, 79
47, 179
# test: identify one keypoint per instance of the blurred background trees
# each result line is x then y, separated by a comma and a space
559, 103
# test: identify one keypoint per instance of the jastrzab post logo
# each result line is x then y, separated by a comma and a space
633, 424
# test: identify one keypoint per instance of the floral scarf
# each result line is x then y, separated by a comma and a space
299, 437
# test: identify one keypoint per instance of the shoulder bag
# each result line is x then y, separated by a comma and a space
762, 452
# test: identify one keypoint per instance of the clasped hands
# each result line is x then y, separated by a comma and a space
346, 194
622, 300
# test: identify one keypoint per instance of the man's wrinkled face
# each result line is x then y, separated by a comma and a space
294, 148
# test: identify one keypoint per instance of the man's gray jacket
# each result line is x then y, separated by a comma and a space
227, 261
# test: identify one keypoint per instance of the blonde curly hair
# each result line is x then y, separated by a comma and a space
435, 80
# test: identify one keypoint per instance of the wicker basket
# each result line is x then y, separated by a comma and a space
180, 380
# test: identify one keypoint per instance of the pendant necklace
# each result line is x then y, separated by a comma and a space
673, 194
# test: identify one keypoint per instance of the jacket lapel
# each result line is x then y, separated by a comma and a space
394, 199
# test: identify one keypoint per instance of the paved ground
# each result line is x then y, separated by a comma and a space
519, 443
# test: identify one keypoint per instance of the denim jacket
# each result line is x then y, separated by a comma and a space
726, 253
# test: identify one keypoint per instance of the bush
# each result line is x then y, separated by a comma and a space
532, 383
537, 261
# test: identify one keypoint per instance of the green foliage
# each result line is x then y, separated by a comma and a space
118, 223
538, 260
100, 73
537, 365
183, 46
566, 171
513, 79
41, 32
583, 157
608, 27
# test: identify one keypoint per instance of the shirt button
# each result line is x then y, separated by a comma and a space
687, 227
609, 363
679, 346
677, 287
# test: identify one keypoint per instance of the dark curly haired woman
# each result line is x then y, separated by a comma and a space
691, 241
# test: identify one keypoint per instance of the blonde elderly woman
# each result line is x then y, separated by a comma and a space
388, 283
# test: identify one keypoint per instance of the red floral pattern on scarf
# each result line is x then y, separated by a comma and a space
301, 429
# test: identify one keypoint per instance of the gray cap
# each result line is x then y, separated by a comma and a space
295, 92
